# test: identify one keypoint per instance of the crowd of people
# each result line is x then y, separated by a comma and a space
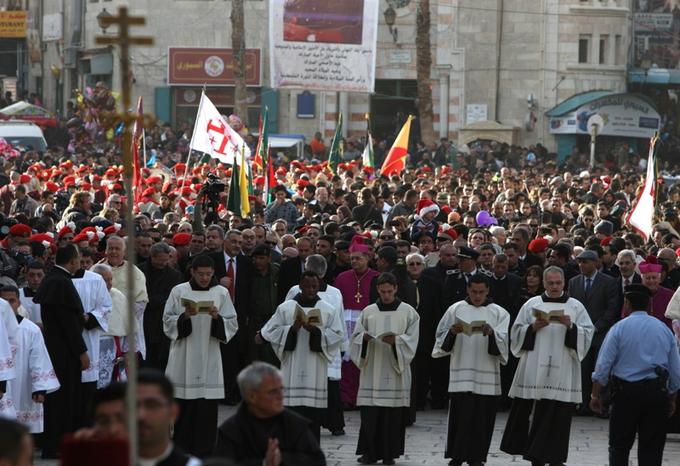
489, 280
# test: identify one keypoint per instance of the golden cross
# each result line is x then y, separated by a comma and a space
124, 40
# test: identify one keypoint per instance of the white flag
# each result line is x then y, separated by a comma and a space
212, 135
641, 218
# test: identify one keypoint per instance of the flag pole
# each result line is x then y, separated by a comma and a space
144, 145
191, 142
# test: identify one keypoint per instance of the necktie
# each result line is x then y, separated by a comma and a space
230, 274
589, 282
627, 282
467, 277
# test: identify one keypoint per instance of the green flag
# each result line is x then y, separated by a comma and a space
234, 201
335, 154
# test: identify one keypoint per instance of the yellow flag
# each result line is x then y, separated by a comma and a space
243, 185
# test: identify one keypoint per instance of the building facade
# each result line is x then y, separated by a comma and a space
508, 61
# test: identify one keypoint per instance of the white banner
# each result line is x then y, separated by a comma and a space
323, 45
212, 135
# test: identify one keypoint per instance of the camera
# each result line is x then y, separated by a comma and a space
212, 188
213, 185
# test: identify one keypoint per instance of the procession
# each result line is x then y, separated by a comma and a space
331, 270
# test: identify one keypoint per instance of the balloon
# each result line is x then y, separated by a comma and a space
484, 219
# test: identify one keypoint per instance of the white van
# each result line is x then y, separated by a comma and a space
23, 134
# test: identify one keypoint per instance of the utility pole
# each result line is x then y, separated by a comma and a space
238, 46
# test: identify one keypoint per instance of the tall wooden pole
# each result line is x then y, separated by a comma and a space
238, 45
124, 41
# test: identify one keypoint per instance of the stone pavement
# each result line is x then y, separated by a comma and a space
425, 442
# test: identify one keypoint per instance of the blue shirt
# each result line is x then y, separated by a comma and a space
634, 347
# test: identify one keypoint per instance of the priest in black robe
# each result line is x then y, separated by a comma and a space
262, 429
62, 318
160, 280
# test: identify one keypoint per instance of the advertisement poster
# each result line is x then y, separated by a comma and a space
624, 115
319, 45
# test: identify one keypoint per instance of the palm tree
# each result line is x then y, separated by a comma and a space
238, 45
423, 69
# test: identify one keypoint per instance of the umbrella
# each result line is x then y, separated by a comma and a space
24, 111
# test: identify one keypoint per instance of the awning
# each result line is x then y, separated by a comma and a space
285, 140
656, 76
490, 131
575, 101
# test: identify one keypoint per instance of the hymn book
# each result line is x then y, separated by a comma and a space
313, 317
202, 307
470, 328
550, 316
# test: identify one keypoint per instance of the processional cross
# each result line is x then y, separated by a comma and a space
124, 40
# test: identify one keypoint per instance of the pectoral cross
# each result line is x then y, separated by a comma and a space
550, 365
358, 296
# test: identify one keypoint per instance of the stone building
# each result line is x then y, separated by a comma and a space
504, 60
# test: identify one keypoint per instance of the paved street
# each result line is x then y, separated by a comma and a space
426, 439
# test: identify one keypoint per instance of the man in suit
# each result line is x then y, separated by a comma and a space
233, 270
520, 237
600, 296
626, 263
291, 269
504, 291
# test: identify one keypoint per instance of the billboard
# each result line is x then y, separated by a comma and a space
192, 66
13, 24
656, 27
624, 115
317, 45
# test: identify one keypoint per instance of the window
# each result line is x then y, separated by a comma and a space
583, 48
604, 49
617, 49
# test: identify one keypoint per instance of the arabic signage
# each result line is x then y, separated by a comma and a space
624, 115
210, 66
329, 46
13, 24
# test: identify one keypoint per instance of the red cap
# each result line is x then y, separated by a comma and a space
153, 179
538, 245
20, 230
23, 179
181, 239
51, 186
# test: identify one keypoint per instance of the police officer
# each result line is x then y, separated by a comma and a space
639, 360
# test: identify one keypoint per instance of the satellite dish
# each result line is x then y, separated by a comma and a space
595, 124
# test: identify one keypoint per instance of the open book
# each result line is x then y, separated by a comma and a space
199, 306
469, 328
313, 317
550, 316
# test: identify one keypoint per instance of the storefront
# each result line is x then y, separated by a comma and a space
13, 53
629, 118
192, 69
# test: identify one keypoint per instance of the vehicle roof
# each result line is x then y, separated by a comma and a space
19, 128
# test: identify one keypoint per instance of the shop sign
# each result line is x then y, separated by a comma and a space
210, 66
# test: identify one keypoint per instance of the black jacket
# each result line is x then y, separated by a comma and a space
243, 439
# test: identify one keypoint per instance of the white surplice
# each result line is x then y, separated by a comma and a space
195, 363
385, 370
331, 296
118, 328
472, 368
96, 301
32, 308
140, 295
8, 326
305, 372
550, 371
34, 373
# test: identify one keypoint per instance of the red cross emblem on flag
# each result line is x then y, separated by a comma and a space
218, 136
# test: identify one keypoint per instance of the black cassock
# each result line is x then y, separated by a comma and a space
243, 439
62, 316
159, 283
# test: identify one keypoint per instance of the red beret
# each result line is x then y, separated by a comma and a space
179, 168
20, 230
538, 245
181, 239
148, 192
96, 178
153, 179
51, 186
23, 179
42, 238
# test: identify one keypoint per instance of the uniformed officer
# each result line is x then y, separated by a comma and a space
639, 360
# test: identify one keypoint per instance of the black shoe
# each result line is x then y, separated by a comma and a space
366, 460
338, 432
455, 463
388, 461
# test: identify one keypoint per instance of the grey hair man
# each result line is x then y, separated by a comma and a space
289, 440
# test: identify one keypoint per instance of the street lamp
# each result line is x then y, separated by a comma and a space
390, 18
101, 20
